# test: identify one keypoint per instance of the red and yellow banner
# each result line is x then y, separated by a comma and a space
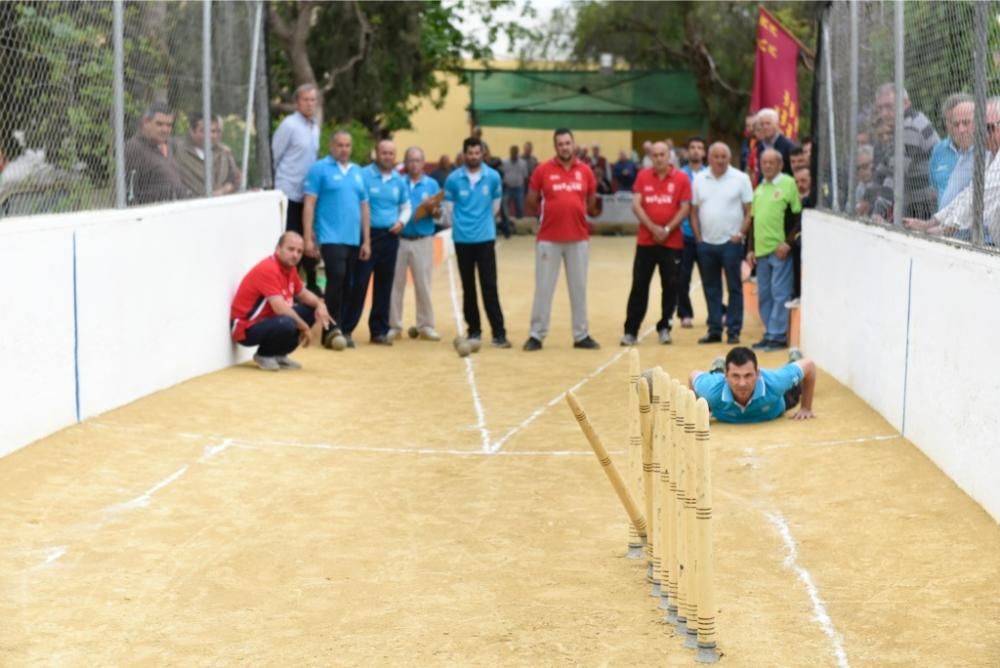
775, 77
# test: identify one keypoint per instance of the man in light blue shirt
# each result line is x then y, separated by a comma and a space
696, 152
472, 196
335, 216
294, 148
389, 200
738, 392
952, 159
416, 249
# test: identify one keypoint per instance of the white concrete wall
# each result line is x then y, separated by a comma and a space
152, 292
909, 325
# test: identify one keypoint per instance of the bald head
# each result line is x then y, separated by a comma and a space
660, 154
385, 155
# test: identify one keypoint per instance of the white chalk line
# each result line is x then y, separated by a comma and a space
537, 413
820, 614
112, 512
470, 372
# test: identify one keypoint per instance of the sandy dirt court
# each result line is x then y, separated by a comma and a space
399, 507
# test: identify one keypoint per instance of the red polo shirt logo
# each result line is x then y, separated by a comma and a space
661, 200
563, 195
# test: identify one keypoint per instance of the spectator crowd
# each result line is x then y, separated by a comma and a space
372, 225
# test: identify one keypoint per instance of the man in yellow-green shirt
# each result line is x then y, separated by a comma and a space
777, 213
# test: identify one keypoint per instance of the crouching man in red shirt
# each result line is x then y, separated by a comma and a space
264, 314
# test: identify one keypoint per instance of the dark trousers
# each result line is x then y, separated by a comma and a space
689, 258
379, 268
648, 259
714, 260
482, 256
339, 261
293, 223
277, 335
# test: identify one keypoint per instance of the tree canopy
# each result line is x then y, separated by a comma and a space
374, 62
714, 40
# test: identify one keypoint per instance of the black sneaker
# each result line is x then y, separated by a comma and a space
501, 342
531, 345
733, 339
761, 345
587, 343
773, 346
711, 338
350, 340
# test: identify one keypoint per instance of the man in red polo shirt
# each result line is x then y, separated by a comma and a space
263, 313
661, 200
567, 192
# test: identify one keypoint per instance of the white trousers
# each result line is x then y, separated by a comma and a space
549, 257
417, 255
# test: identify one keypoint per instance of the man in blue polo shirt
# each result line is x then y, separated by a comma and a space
336, 219
472, 200
389, 199
416, 249
737, 391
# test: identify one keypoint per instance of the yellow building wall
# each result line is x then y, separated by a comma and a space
441, 131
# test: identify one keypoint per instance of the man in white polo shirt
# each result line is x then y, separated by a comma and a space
720, 220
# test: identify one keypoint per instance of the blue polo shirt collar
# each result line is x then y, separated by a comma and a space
759, 392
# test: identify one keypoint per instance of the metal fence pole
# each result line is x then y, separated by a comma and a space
897, 168
979, 166
118, 120
853, 107
250, 95
206, 89
827, 58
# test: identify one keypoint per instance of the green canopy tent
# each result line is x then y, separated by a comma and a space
661, 100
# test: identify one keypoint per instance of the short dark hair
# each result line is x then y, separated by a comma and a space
796, 150
157, 108
469, 142
561, 131
739, 356
698, 139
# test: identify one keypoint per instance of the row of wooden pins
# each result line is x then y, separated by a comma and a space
667, 495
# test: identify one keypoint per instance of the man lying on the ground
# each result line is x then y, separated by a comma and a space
263, 313
737, 391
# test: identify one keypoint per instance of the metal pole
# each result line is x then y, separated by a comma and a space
898, 175
827, 58
206, 90
852, 153
118, 120
979, 166
250, 96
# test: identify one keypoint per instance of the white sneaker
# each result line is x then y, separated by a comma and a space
794, 303
428, 334
393, 333
664, 336
285, 362
267, 363
628, 340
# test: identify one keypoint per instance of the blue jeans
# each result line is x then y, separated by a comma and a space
713, 261
774, 287
277, 335
514, 194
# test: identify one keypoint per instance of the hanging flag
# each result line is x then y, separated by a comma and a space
775, 77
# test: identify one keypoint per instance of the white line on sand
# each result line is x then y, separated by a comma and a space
820, 614
499, 443
470, 372
264, 445
143, 499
